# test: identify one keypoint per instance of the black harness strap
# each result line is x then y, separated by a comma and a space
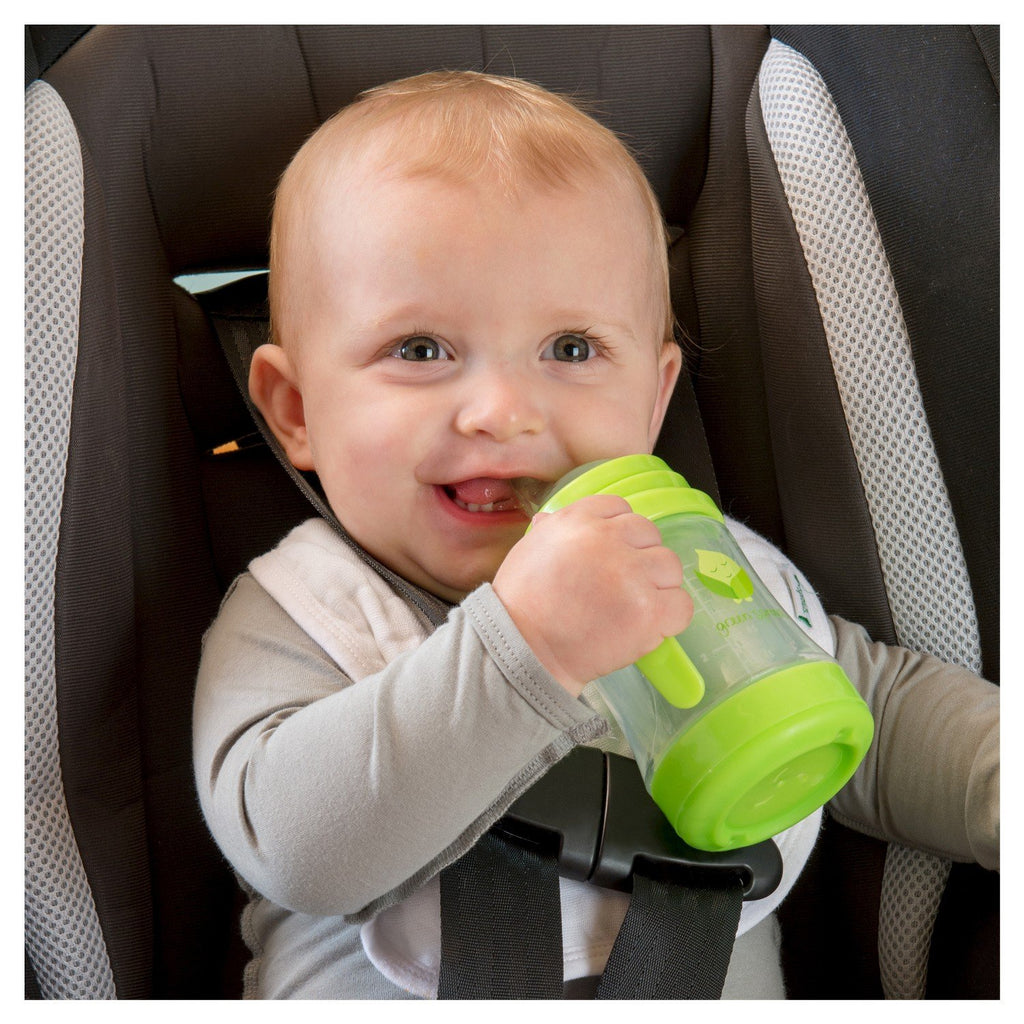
501, 932
501, 924
675, 942
240, 324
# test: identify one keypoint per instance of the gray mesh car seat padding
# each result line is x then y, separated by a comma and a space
64, 940
921, 107
906, 506
873, 363
888, 428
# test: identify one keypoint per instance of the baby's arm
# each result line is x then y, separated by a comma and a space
931, 777
338, 798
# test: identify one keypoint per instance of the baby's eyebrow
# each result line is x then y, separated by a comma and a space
414, 317
386, 319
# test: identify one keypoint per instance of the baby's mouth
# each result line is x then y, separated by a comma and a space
491, 494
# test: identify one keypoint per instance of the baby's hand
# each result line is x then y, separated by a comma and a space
592, 589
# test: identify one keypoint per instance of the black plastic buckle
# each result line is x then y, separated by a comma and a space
592, 812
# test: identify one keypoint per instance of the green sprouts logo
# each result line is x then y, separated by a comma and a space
722, 576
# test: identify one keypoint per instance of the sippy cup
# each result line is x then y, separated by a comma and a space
741, 725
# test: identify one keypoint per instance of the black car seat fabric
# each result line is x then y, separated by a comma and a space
165, 145
889, 193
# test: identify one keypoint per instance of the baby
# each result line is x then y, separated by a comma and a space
469, 290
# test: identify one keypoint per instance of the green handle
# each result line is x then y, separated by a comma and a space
670, 671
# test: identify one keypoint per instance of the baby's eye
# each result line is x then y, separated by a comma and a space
570, 348
420, 350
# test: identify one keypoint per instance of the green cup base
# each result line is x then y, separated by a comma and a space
764, 758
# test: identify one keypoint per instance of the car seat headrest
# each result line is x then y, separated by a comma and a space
210, 119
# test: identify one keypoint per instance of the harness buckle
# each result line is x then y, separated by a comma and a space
592, 812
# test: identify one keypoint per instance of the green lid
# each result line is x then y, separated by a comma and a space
764, 758
645, 481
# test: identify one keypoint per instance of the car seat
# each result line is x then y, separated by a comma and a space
151, 156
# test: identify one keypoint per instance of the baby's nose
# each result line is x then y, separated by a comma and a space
501, 405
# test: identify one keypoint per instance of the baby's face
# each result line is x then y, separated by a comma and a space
451, 340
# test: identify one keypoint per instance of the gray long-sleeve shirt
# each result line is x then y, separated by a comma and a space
335, 795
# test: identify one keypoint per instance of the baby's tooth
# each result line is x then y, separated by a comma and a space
471, 507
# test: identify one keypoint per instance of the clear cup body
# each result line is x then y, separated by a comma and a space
739, 635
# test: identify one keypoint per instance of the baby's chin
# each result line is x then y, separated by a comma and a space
452, 587
456, 588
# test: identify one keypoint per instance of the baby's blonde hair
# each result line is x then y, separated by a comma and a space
461, 124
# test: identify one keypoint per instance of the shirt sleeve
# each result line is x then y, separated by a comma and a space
338, 798
931, 776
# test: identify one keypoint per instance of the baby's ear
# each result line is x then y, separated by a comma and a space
669, 364
274, 389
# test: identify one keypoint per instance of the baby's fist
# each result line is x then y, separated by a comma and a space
592, 589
